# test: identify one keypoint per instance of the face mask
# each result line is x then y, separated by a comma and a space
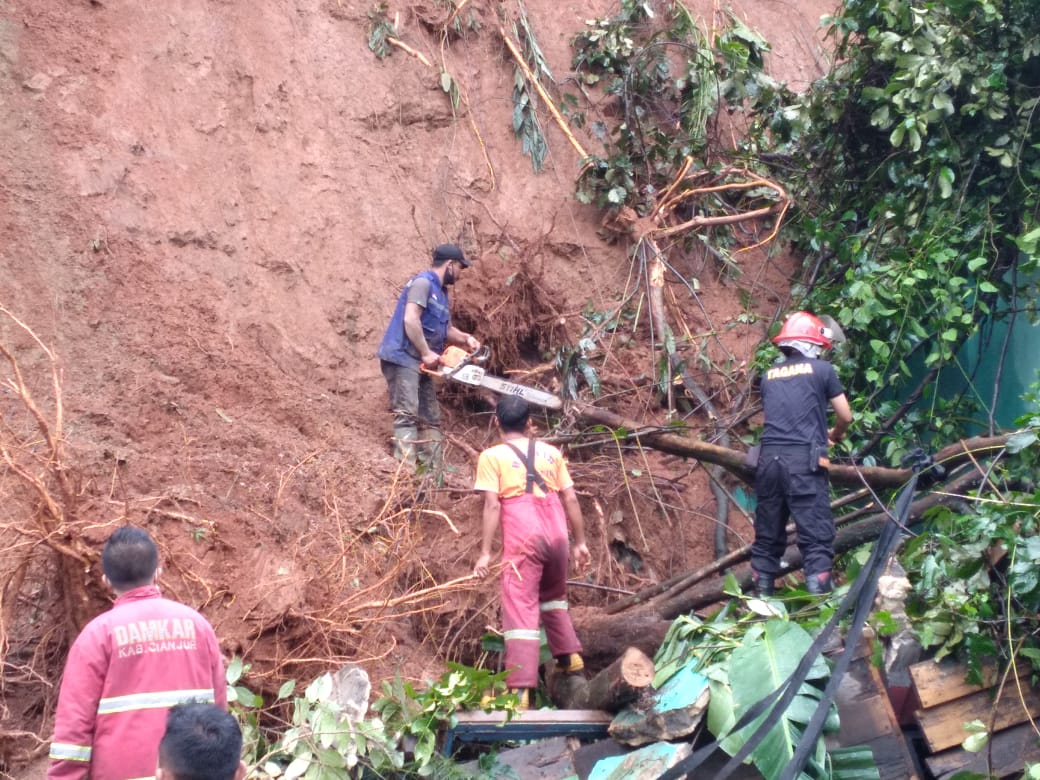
449, 276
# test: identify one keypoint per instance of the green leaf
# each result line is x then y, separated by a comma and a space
287, 689
1020, 441
298, 766
332, 758
1028, 241
753, 670
320, 689
234, 670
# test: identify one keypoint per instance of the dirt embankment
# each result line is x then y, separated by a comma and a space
207, 209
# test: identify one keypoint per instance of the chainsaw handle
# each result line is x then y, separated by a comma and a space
477, 356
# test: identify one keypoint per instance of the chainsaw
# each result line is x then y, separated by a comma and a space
467, 368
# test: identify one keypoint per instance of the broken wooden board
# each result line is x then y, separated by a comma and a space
1008, 751
525, 725
867, 719
647, 763
952, 703
674, 711
938, 683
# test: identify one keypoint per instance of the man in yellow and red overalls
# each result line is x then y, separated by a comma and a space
530, 494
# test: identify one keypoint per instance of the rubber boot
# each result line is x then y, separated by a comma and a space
404, 445
524, 695
761, 585
431, 451
570, 663
819, 583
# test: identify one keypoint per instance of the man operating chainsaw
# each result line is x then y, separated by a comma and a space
530, 494
418, 332
791, 474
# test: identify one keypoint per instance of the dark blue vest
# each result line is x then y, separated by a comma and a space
395, 347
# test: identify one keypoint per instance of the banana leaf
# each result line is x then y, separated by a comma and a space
767, 657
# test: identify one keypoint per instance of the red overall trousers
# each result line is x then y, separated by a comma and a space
534, 540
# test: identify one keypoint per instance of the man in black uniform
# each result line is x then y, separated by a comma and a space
791, 478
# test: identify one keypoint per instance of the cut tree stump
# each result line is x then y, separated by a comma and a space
622, 682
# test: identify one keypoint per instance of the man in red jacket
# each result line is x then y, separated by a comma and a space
128, 667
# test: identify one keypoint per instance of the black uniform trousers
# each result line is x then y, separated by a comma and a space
786, 485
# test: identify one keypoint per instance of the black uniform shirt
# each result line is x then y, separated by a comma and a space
795, 395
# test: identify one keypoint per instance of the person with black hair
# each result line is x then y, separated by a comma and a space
128, 667
202, 742
419, 330
529, 493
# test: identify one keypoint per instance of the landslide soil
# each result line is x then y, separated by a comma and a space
207, 209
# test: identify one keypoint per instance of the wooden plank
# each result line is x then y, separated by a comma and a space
1009, 751
867, 719
943, 726
479, 726
535, 717
938, 683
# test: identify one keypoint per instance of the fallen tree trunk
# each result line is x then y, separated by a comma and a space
667, 440
621, 682
684, 580
605, 637
847, 538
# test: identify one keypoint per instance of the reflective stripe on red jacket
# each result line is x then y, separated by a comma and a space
124, 672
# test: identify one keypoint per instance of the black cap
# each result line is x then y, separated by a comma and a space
442, 253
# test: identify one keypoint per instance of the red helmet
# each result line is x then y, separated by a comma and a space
803, 326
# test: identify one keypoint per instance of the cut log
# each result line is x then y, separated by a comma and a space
952, 455
568, 691
622, 682
605, 637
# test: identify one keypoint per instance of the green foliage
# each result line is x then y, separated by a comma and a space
525, 100
379, 29
420, 715
745, 658
668, 80
767, 656
920, 192
460, 17
319, 743
574, 362
976, 568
